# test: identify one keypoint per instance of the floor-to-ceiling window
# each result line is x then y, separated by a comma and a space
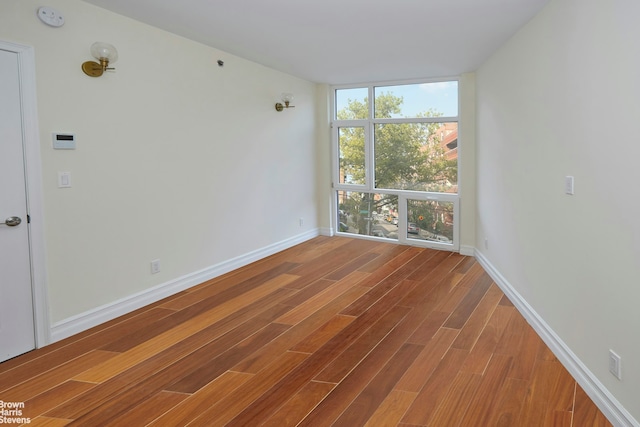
395, 162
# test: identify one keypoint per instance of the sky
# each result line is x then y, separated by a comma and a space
441, 96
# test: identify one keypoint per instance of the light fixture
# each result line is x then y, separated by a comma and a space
286, 102
103, 52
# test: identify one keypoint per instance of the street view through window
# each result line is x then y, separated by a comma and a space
397, 161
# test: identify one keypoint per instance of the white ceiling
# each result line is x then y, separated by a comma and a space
343, 41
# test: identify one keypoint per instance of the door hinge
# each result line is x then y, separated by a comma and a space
28, 219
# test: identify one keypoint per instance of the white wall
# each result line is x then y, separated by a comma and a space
467, 162
562, 98
325, 192
176, 159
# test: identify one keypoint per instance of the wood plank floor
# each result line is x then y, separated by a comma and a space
335, 331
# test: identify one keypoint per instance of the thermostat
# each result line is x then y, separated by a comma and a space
64, 141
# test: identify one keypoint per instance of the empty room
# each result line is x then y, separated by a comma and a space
319, 213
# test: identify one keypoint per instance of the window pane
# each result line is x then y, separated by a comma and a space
417, 156
430, 220
351, 104
368, 214
351, 155
417, 100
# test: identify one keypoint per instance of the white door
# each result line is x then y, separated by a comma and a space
17, 329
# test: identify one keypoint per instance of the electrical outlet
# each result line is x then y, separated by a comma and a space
615, 365
301, 221
155, 266
486, 243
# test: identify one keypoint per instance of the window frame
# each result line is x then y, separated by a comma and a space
369, 186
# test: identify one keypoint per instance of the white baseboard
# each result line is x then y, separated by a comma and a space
327, 231
96, 316
605, 401
467, 250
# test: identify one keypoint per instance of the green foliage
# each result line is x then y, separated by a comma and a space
355, 110
351, 145
408, 156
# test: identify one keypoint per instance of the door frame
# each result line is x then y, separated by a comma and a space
34, 192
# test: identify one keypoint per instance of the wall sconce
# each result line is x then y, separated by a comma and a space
103, 52
286, 99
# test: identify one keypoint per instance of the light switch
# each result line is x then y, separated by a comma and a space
64, 179
568, 185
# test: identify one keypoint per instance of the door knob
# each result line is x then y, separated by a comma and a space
12, 221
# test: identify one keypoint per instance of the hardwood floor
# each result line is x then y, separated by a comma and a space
335, 331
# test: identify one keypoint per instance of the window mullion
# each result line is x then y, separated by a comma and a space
370, 135
416, 120
369, 143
